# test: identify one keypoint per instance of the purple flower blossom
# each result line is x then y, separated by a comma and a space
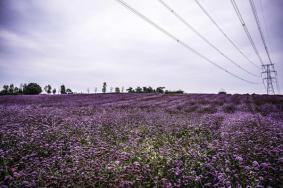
140, 140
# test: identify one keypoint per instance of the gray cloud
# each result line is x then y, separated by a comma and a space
83, 43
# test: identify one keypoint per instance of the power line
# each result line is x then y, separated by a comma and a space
224, 34
179, 41
235, 6
253, 7
264, 20
203, 38
259, 28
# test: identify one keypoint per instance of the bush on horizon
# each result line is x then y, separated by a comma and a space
32, 89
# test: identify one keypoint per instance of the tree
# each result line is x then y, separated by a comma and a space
222, 91
147, 90
160, 89
130, 90
117, 90
104, 87
5, 90
174, 92
69, 91
32, 89
16, 91
21, 89
48, 89
138, 90
63, 89
54, 91
150, 90
144, 89
11, 89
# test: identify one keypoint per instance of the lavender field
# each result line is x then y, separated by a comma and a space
141, 140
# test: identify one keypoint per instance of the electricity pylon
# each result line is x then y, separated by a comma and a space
269, 76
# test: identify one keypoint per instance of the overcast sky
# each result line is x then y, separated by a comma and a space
82, 43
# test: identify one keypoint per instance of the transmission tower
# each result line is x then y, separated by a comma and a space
269, 76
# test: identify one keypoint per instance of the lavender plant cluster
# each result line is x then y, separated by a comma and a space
141, 140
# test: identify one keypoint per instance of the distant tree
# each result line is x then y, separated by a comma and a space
160, 89
95, 90
130, 90
48, 89
122, 90
147, 90
87, 90
16, 91
222, 91
63, 89
45, 88
111, 89
138, 90
11, 89
21, 89
5, 90
150, 90
54, 91
180, 91
117, 90
174, 92
104, 87
144, 89
69, 91
21, 86
32, 89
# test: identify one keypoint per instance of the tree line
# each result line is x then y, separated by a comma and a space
35, 89
32, 89
141, 90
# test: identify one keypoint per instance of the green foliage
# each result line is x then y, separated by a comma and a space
130, 90
174, 92
69, 91
104, 87
32, 89
160, 89
48, 89
11, 89
63, 89
151, 90
54, 91
117, 90
138, 90
148, 90
5, 90
222, 93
